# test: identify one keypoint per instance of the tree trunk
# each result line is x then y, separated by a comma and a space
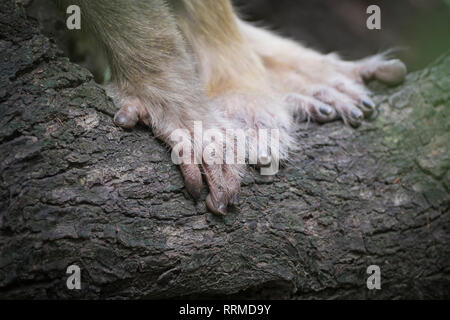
77, 190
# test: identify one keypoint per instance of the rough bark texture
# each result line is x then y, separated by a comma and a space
75, 189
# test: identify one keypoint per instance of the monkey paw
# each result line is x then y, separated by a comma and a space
340, 92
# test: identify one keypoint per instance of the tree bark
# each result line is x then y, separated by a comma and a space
77, 190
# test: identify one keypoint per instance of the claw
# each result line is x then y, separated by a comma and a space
220, 209
235, 201
391, 72
192, 179
264, 159
127, 117
325, 110
356, 117
367, 106
357, 114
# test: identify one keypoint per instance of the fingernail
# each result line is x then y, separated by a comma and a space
222, 208
368, 103
326, 110
195, 193
357, 114
120, 120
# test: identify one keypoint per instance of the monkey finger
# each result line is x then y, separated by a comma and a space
350, 114
367, 106
127, 117
233, 183
358, 94
391, 72
310, 108
217, 200
192, 179
344, 106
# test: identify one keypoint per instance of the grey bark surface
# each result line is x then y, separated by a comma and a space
75, 189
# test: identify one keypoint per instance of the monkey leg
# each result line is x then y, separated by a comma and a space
321, 82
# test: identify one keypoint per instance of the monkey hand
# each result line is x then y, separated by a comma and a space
335, 89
